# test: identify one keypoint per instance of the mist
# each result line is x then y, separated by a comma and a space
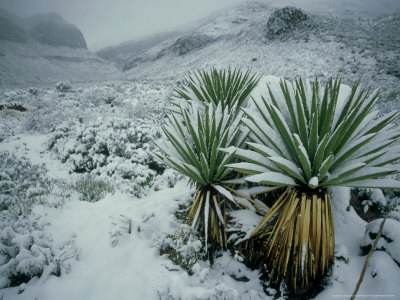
105, 23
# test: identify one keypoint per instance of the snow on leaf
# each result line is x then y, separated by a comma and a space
223, 191
313, 183
272, 178
376, 183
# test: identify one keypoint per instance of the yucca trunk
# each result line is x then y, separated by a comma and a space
296, 238
207, 215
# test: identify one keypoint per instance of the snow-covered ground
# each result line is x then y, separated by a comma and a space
57, 244
116, 241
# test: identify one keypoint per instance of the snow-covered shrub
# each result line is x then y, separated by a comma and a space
186, 250
166, 180
33, 91
21, 184
21, 253
63, 87
43, 115
117, 149
372, 198
389, 241
13, 106
102, 95
92, 189
26, 251
283, 20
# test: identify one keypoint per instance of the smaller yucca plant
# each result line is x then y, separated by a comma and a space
228, 88
308, 138
193, 138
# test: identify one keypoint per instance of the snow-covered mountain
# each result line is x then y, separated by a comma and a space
349, 44
124, 53
44, 49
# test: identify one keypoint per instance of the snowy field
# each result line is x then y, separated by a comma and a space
87, 213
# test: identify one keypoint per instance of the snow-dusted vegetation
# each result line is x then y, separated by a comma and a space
96, 187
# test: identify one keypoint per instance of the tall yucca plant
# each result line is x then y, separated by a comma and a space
228, 88
193, 137
308, 138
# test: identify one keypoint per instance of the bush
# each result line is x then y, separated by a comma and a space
186, 250
284, 20
21, 184
13, 106
389, 242
92, 189
372, 198
63, 87
116, 149
33, 91
25, 251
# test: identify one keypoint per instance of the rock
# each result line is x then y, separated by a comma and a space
186, 44
284, 20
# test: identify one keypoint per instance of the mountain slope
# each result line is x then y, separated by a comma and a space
121, 53
352, 45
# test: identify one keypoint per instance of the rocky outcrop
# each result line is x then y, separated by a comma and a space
186, 44
284, 20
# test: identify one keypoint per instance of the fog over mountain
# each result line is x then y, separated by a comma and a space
105, 23
45, 48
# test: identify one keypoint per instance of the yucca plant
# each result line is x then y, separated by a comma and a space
193, 137
307, 138
228, 88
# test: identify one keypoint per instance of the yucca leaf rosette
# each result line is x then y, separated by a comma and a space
307, 138
193, 137
228, 88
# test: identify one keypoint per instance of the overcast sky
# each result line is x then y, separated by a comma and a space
108, 22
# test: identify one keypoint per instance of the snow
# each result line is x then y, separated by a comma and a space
99, 261
313, 182
389, 241
223, 191
246, 221
378, 197
273, 178
113, 263
134, 267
